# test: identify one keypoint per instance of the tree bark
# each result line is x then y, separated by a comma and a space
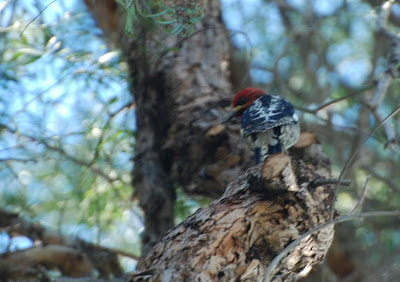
181, 88
260, 213
180, 85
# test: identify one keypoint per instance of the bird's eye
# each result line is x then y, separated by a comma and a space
241, 101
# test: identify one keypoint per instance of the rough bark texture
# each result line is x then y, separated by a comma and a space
180, 86
238, 235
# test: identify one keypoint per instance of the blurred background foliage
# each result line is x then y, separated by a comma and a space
67, 120
67, 128
173, 18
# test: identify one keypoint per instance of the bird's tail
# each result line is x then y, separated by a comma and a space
273, 146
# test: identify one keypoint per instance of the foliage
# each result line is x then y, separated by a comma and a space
186, 206
67, 128
173, 17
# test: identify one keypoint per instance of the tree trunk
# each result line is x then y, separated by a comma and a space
238, 235
181, 88
179, 85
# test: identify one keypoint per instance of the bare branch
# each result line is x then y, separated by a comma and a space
106, 124
13, 223
321, 182
388, 127
36, 16
384, 15
381, 89
122, 253
347, 165
62, 152
39, 94
334, 101
362, 196
391, 72
17, 160
53, 256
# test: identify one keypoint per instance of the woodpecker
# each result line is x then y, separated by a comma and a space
268, 122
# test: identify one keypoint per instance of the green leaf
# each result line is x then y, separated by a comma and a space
177, 29
112, 100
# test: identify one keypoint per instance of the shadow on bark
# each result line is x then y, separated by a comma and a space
259, 214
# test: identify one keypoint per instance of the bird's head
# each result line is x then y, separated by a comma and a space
242, 101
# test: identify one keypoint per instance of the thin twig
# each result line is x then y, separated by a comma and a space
274, 263
381, 89
62, 152
388, 127
37, 16
362, 197
107, 123
346, 166
384, 15
334, 101
11, 159
38, 95
323, 181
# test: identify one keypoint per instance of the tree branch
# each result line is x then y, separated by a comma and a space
62, 152
36, 16
238, 235
334, 101
361, 199
50, 242
321, 182
273, 265
347, 165
391, 72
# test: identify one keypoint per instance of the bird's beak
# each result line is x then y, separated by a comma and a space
232, 114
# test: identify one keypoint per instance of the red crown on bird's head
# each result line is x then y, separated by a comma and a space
249, 94
242, 101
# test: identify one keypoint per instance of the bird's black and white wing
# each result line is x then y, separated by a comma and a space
266, 113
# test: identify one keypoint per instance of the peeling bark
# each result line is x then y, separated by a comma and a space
238, 235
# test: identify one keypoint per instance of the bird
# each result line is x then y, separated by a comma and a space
269, 123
